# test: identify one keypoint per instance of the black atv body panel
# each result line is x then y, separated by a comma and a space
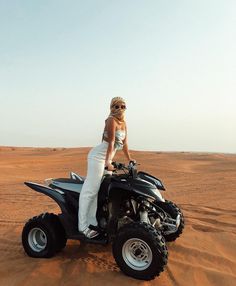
134, 186
56, 195
113, 190
147, 177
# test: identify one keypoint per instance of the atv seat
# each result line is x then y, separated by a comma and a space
68, 181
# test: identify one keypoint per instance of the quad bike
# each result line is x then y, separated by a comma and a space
131, 214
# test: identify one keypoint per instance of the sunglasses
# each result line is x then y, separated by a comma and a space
120, 106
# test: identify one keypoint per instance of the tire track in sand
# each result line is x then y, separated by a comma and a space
207, 219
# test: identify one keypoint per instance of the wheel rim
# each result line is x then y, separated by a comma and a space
37, 239
137, 254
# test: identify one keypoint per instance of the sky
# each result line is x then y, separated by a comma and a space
173, 61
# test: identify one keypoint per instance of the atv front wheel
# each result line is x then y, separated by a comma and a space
173, 211
140, 251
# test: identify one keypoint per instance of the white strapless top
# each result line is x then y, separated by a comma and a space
119, 137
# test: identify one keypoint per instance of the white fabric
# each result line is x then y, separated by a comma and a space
89, 191
119, 137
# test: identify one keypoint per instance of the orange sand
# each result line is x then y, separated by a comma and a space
203, 185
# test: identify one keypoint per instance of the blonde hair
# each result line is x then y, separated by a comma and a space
118, 114
116, 100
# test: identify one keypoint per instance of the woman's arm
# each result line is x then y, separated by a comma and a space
126, 152
111, 128
125, 147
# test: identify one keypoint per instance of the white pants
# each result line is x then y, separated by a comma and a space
89, 191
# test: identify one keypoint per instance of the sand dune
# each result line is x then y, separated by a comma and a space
203, 185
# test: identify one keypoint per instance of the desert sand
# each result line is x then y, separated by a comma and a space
202, 184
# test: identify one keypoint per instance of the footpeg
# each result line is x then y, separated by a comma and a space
100, 239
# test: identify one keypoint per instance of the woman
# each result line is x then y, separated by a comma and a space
114, 138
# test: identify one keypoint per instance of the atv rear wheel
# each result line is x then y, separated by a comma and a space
140, 251
61, 238
41, 236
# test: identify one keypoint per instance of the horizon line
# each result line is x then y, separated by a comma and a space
135, 150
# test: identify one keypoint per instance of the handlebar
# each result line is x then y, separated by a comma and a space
121, 166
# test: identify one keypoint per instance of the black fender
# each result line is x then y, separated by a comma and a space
56, 195
157, 182
69, 220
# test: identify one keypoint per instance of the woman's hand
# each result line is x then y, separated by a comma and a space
109, 167
132, 160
